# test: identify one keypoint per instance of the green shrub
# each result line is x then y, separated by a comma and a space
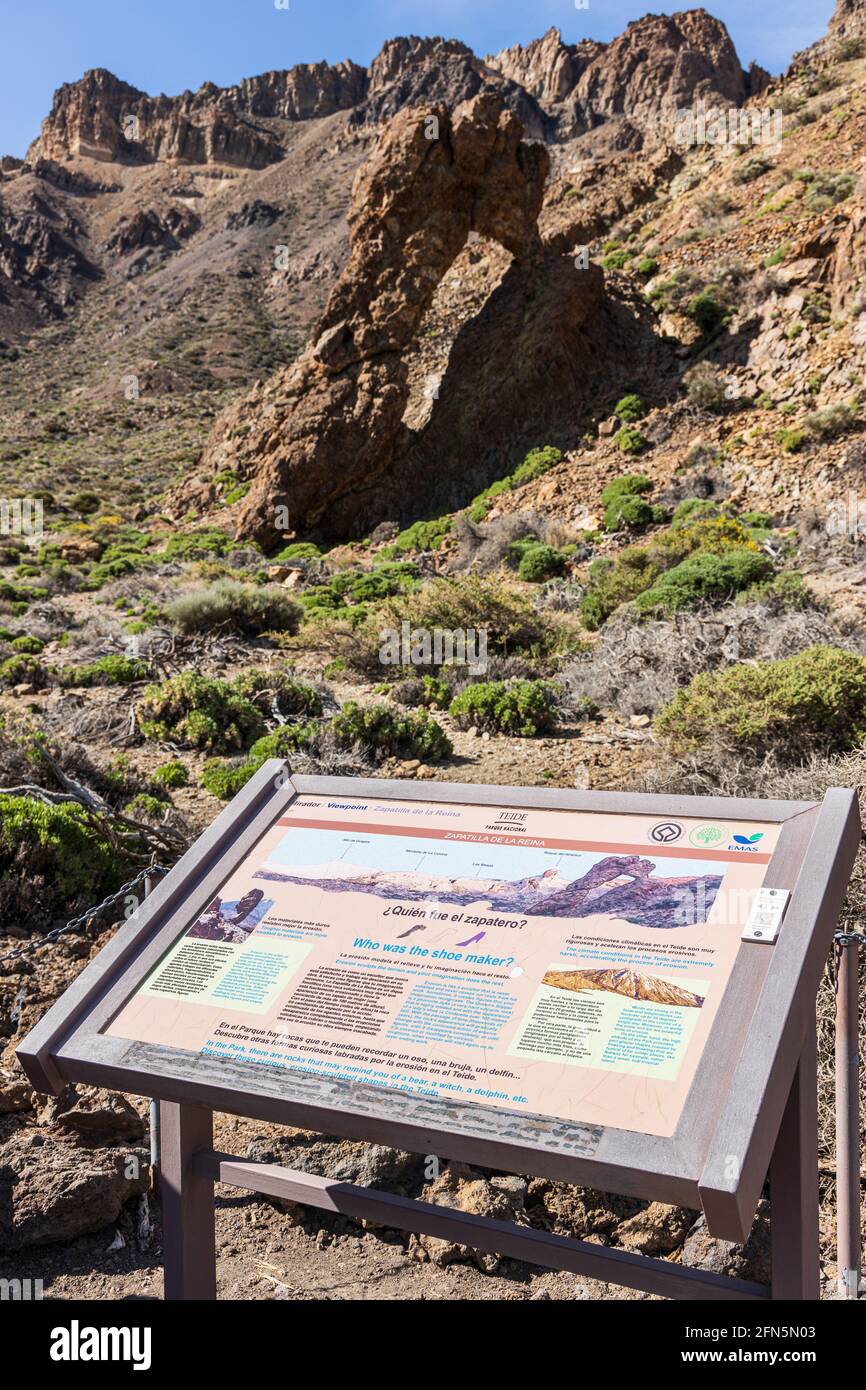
813, 700
776, 257
693, 509
629, 409
762, 520
646, 267
523, 708
114, 669
707, 388
292, 696
624, 505
298, 550
752, 169
480, 505
707, 310
476, 602
631, 512
630, 484
420, 536
29, 646
825, 190
23, 670
830, 422
353, 588
791, 441
431, 692
786, 592
199, 712
704, 578
612, 582
208, 543
53, 859
171, 774
85, 503
535, 464
630, 440
225, 779
385, 733
539, 562
245, 608
616, 260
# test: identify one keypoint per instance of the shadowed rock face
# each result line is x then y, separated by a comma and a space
330, 425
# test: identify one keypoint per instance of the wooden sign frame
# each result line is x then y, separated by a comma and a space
752, 1100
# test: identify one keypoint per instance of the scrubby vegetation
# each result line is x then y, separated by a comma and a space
224, 779
644, 569
199, 712
386, 733
815, 700
245, 608
524, 708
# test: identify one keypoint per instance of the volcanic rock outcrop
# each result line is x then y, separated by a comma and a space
322, 436
104, 118
657, 66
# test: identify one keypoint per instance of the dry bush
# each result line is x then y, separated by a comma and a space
636, 668
484, 546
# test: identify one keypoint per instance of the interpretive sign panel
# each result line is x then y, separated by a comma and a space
563, 963
579, 985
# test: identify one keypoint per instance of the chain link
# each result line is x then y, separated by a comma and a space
152, 871
849, 938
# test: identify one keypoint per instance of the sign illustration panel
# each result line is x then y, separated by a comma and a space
562, 963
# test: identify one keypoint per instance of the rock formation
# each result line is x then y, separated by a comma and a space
327, 428
627, 887
101, 117
632, 983
657, 66
420, 72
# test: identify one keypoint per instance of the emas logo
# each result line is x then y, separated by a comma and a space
747, 844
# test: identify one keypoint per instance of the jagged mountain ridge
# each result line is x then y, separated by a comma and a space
557, 89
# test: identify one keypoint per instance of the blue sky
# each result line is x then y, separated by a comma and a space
169, 45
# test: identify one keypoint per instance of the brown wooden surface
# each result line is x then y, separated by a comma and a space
749, 1119
188, 1234
794, 1185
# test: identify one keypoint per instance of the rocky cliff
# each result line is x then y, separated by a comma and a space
557, 90
657, 66
101, 117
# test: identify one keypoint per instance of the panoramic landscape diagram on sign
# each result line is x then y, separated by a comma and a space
565, 964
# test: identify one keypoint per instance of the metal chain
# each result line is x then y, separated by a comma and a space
152, 871
849, 938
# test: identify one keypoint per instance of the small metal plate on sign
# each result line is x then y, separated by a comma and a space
766, 915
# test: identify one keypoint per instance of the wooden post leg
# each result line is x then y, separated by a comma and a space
794, 1185
189, 1242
